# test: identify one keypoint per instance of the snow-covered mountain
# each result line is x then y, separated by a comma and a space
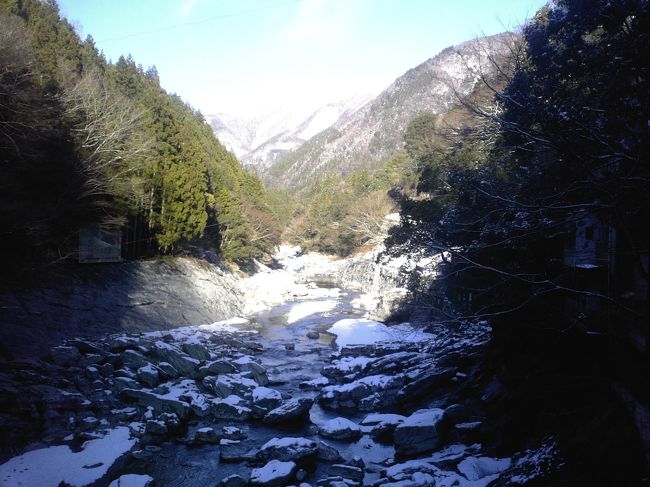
372, 133
259, 142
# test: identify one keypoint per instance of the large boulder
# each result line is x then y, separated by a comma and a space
288, 449
196, 351
476, 468
159, 403
183, 363
232, 408
148, 375
266, 399
133, 360
256, 370
418, 433
229, 384
217, 367
290, 411
340, 429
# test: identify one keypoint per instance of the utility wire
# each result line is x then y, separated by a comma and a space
198, 22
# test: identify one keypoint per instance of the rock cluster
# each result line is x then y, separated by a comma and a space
210, 388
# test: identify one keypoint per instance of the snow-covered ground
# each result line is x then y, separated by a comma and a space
271, 287
368, 332
49, 467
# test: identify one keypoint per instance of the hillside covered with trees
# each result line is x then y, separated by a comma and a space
90, 143
541, 206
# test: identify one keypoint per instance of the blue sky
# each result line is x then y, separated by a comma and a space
246, 56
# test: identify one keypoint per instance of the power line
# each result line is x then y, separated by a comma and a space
198, 22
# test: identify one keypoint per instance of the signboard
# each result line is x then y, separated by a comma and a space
97, 245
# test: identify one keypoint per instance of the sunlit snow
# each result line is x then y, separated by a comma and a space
48, 467
361, 331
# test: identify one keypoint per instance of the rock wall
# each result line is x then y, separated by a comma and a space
93, 300
392, 283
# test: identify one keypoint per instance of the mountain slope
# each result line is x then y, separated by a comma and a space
261, 141
372, 133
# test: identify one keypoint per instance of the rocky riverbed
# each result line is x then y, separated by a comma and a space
303, 391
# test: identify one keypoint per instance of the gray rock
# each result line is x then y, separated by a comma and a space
85, 346
133, 360
237, 451
160, 404
218, 367
229, 409
347, 472
156, 428
289, 411
125, 373
106, 370
206, 435
229, 384
126, 383
172, 422
273, 474
89, 359
288, 449
92, 372
314, 335
167, 370
456, 413
122, 343
64, 355
183, 363
340, 429
418, 433
423, 385
148, 375
328, 453
196, 350
257, 371
233, 433
266, 399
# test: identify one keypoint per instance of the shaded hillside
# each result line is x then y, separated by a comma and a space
88, 143
375, 131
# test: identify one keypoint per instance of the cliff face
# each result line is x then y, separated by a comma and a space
94, 300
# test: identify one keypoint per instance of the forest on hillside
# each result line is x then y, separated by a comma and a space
87, 143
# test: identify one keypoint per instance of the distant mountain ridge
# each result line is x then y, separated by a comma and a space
259, 142
365, 137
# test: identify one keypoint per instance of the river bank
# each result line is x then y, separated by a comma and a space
265, 399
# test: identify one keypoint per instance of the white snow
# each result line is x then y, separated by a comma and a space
275, 469
361, 331
423, 417
51, 466
339, 424
378, 418
262, 393
287, 442
270, 287
349, 364
308, 308
132, 480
